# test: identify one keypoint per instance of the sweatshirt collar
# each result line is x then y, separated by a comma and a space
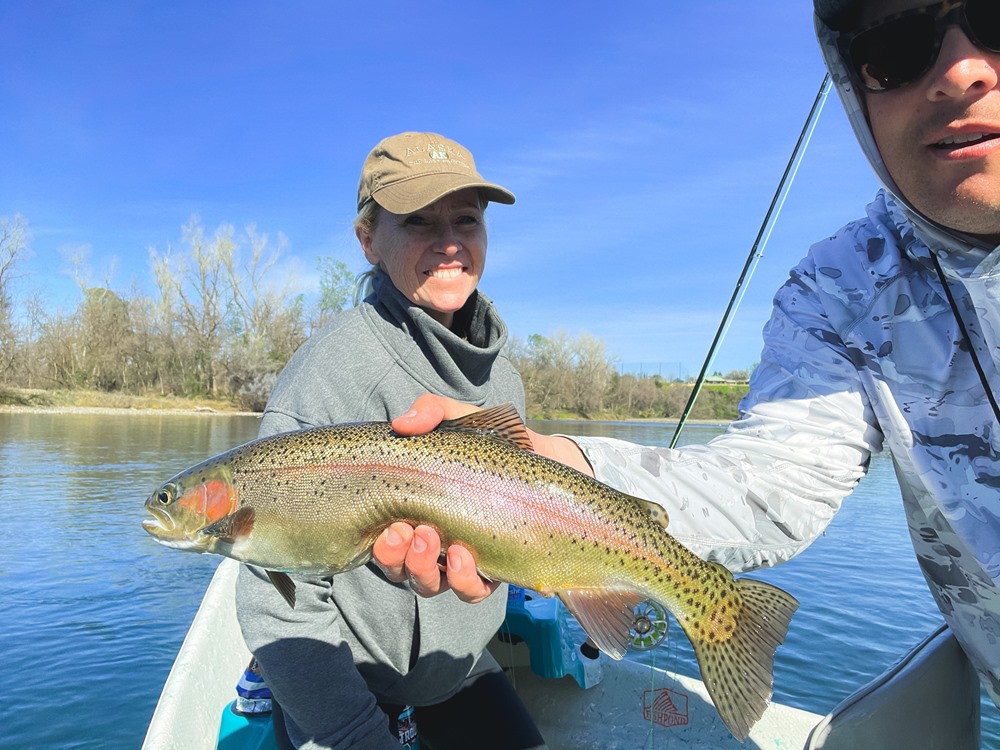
459, 360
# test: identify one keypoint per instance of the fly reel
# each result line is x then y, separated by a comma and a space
649, 626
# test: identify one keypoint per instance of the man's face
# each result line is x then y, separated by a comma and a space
940, 135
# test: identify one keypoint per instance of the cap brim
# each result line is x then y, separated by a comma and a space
407, 196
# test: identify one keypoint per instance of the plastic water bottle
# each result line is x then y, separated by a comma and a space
406, 725
253, 696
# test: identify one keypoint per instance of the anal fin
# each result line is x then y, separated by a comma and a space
605, 615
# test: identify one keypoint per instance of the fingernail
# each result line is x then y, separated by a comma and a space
418, 544
454, 561
409, 415
392, 537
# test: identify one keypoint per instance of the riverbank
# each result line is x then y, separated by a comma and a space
38, 401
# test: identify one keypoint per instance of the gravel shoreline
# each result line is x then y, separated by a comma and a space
113, 411
210, 412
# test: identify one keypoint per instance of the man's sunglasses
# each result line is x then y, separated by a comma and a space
901, 48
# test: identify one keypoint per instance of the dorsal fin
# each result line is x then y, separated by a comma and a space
235, 526
658, 512
500, 422
605, 615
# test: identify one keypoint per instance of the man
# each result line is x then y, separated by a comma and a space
886, 335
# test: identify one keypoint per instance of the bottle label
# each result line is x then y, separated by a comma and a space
406, 723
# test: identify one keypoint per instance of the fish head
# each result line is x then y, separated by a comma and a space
185, 505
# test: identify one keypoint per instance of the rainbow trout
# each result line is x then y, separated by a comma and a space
314, 501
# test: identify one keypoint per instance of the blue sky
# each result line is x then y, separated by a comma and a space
643, 141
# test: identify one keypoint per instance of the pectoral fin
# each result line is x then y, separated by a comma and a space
605, 615
236, 525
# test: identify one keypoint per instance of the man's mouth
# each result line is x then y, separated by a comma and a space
962, 140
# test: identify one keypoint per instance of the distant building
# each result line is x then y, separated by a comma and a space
717, 380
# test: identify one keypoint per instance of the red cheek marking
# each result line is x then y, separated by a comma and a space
213, 499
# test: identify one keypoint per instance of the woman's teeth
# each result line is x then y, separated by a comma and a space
444, 273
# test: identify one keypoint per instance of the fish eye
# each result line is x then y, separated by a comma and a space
165, 496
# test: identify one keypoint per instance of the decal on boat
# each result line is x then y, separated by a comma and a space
668, 708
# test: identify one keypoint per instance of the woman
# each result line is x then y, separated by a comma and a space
358, 648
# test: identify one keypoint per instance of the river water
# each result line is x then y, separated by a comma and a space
93, 610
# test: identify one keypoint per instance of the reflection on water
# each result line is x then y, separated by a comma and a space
94, 610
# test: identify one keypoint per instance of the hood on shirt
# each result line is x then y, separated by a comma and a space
831, 18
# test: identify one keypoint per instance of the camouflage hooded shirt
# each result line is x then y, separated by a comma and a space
862, 351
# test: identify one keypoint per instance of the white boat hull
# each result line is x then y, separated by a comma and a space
626, 705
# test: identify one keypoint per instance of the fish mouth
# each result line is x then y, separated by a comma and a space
161, 524
164, 530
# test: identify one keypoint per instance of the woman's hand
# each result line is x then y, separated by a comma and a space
411, 554
407, 553
428, 411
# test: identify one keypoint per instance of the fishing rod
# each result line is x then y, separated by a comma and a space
757, 250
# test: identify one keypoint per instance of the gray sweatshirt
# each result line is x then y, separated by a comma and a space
356, 638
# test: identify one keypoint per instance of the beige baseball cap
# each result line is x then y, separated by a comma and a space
409, 171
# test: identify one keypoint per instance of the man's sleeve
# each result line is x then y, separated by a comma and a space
760, 493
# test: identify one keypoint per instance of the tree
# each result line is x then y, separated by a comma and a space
561, 373
593, 374
14, 239
266, 324
254, 304
199, 286
336, 287
636, 396
106, 339
547, 382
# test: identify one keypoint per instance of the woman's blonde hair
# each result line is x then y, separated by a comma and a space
365, 222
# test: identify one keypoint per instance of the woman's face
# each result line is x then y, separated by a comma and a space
434, 256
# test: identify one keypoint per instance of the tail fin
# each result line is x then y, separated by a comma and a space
739, 672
